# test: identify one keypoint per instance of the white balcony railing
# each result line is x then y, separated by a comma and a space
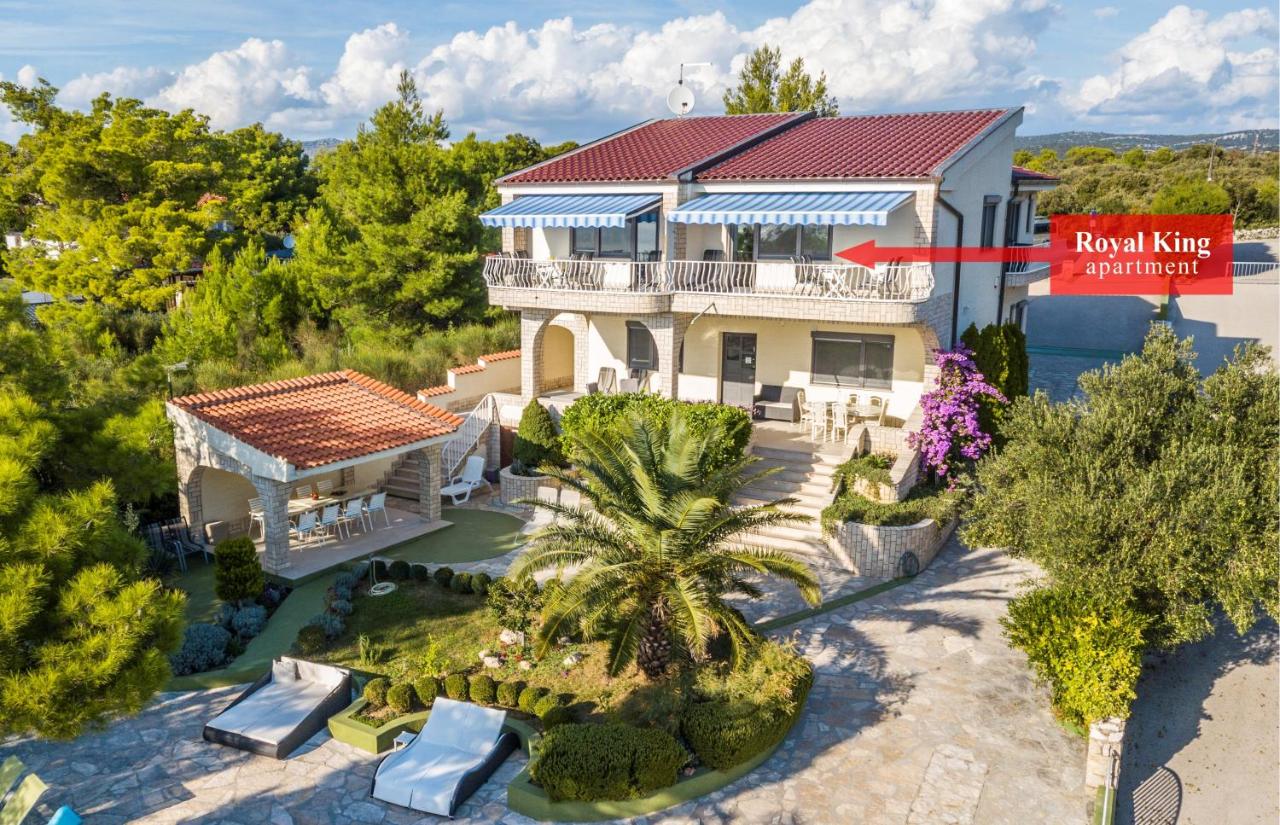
1020, 262
824, 280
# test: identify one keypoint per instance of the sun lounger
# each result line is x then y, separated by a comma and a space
459, 748
288, 705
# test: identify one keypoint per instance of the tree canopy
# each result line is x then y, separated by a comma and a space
764, 87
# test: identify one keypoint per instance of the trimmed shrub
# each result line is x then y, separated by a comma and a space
602, 762
923, 502
514, 602
421, 573
724, 732
507, 694
455, 687
341, 606
1089, 654
361, 571
380, 569
226, 613
555, 716
427, 688
338, 592
460, 583
536, 442
331, 623
204, 647
310, 640
482, 689
346, 580
400, 697
237, 575
529, 698
545, 704
480, 583
443, 576
249, 621
399, 570
375, 692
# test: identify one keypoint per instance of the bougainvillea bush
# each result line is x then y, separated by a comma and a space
951, 434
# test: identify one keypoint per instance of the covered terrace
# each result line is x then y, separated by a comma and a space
257, 459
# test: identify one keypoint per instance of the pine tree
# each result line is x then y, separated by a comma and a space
762, 87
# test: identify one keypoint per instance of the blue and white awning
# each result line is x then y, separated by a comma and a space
804, 208
570, 210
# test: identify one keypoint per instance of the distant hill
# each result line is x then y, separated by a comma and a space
1267, 140
320, 146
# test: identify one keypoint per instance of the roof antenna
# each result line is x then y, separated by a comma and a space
680, 98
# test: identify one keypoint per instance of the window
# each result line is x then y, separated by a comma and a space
640, 234
642, 353
775, 241
744, 243
850, 359
647, 236
764, 242
1031, 213
815, 241
989, 205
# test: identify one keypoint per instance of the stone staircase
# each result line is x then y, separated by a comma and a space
805, 476
402, 480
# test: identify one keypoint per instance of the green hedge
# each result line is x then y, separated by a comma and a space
599, 411
724, 733
873, 467
536, 444
600, 762
923, 502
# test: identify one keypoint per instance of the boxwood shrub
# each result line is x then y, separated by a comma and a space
480, 583
421, 572
400, 697
311, 640
399, 570
375, 692
460, 583
545, 704
204, 647
455, 687
529, 698
508, 693
482, 689
555, 716
427, 688
602, 411
443, 576
601, 762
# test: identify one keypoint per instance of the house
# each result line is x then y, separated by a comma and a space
696, 256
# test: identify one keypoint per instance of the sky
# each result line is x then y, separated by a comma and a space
585, 68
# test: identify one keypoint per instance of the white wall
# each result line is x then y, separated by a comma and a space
225, 496
549, 243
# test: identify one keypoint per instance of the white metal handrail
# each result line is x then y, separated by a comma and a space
1019, 260
474, 425
827, 280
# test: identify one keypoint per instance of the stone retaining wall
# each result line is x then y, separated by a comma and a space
514, 487
1106, 737
877, 551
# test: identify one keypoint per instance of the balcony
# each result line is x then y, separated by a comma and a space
1021, 270
779, 289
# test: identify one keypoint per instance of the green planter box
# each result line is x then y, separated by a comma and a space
376, 740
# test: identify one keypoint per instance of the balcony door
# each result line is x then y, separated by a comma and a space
738, 369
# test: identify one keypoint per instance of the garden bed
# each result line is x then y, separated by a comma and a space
513, 488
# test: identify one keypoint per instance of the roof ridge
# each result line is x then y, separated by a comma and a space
373, 385
251, 391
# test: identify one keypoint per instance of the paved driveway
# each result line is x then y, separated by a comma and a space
920, 714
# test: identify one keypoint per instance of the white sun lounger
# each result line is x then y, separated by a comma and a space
459, 748
288, 705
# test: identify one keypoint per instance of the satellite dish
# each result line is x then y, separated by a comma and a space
680, 100
289, 242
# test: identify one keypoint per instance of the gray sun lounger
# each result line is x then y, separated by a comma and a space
288, 705
459, 748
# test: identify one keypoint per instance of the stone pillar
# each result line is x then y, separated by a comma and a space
1106, 738
668, 336
533, 323
429, 482
275, 506
493, 445
190, 500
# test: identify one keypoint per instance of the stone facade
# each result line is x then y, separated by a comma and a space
514, 488
877, 552
1106, 737
275, 515
429, 482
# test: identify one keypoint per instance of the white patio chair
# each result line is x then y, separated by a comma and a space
839, 422
305, 529
460, 486
324, 488
257, 515
377, 504
302, 492
877, 404
806, 415
329, 520
351, 514
818, 420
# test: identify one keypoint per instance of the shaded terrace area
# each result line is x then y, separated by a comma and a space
298, 465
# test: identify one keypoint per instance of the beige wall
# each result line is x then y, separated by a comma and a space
549, 243
557, 358
370, 473
225, 496
497, 376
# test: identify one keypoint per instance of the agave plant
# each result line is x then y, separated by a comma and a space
654, 547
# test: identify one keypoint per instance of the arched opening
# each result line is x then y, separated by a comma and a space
557, 358
223, 496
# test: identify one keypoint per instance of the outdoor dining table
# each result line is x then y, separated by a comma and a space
298, 506
863, 411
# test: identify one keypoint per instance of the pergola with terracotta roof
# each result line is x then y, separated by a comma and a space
340, 425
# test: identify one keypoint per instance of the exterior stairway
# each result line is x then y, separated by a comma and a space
402, 481
806, 477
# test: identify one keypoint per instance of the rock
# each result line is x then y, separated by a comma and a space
511, 637
572, 659
485, 654
525, 664
491, 661
562, 641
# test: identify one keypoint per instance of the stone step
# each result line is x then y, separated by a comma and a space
800, 465
808, 507
798, 532
778, 487
815, 553
400, 491
796, 475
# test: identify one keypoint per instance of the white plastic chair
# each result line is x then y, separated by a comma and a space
818, 420
324, 488
806, 416
839, 421
257, 515
354, 512
377, 504
302, 492
329, 520
460, 486
305, 529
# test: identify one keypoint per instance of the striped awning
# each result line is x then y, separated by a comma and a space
805, 208
570, 210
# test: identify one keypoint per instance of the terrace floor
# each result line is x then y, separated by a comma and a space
920, 714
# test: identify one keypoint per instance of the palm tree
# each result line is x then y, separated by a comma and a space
654, 546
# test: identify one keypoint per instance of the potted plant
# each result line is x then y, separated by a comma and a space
536, 445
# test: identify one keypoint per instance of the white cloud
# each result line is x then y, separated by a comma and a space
123, 81
1185, 67
1105, 12
10, 129
241, 85
368, 70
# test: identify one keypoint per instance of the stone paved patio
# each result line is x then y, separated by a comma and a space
920, 713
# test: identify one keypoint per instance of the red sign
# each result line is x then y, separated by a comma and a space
1141, 254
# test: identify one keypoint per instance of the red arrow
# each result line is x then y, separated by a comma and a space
869, 253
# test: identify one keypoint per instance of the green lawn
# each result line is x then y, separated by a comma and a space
475, 535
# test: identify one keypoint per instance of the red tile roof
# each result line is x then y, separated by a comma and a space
866, 146
1023, 173
652, 151
500, 356
438, 389
469, 368
320, 419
